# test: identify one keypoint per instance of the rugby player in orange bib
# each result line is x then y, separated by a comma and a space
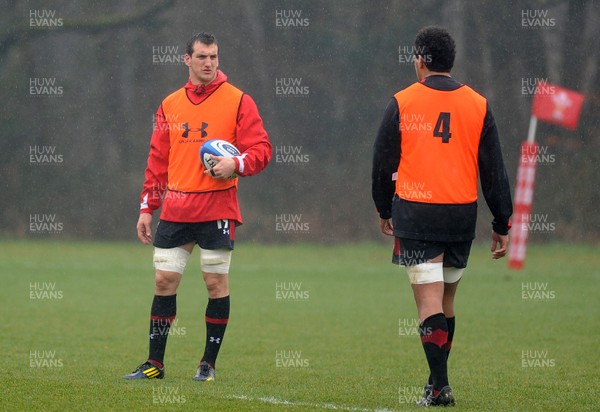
437, 136
199, 206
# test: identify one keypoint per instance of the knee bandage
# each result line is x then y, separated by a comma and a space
425, 273
215, 261
452, 275
171, 260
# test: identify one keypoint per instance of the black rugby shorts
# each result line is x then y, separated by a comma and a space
216, 234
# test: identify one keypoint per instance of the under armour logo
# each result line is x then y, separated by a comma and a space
223, 224
217, 340
202, 129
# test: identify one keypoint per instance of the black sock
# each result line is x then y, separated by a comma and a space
434, 335
162, 315
450, 322
217, 316
448, 346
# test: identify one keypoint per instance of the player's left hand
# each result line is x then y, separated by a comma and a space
499, 245
224, 169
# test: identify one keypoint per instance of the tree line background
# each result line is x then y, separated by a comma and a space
347, 54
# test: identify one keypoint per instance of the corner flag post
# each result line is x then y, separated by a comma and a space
523, 198
551, 104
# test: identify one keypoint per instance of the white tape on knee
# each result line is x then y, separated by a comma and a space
452, 275
215, 261
425, 273
171, 260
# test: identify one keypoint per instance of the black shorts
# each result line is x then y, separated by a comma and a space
410, 252
217, 234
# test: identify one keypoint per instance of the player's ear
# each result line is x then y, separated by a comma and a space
187, 59
419, 61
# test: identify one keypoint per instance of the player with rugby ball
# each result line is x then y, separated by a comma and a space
199, 205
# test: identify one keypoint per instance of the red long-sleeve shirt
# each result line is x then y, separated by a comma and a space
251, 140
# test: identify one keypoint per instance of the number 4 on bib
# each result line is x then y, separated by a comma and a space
442, 127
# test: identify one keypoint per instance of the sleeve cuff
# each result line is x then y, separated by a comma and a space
501, 228
386, 214
239, 164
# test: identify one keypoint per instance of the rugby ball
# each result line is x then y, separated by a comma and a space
216, 147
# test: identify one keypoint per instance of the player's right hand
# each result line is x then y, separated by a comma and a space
144, 231
386, 226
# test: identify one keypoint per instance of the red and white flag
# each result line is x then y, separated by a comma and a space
551, 104
557, 105
523, 201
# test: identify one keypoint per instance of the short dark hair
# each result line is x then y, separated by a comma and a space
436, 47
202, 37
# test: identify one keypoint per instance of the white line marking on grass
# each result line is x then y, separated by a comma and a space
274, 401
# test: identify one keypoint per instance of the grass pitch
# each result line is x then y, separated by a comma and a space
311, 328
